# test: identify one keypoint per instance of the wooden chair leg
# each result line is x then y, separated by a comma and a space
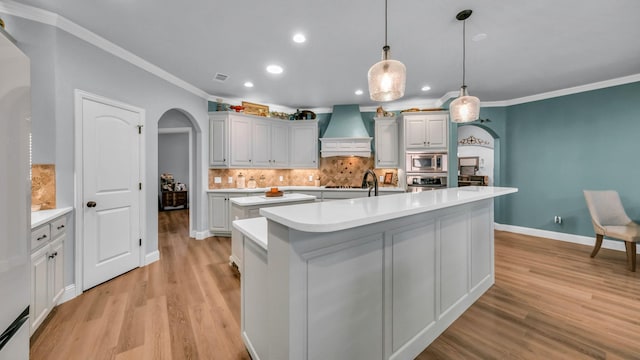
598, 244
631, 255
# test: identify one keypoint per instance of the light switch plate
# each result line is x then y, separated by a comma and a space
381, 178
281, 178
217, 180
230, 180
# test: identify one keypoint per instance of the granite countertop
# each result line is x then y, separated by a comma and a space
340, 215
44, 216
262, 200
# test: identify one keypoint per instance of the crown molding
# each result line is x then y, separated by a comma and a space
62, 23
563, 92
14, 8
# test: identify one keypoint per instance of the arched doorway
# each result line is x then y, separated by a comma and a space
177, 134
482, 142
475, 142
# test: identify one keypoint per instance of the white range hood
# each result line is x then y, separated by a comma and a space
346, 134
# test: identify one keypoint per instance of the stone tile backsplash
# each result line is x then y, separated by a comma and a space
43, 186
333, 171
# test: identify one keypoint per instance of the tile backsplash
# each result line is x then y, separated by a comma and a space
333, 171
43, 186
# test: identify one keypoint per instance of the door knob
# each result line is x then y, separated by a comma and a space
91, 204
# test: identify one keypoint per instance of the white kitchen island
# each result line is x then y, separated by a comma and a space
249, 207
369, 278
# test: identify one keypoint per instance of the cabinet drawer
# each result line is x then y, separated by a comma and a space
40, 236
58, 226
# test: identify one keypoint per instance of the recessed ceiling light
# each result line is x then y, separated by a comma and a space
426, 88
479, 37
299, 38
359, 92
274, 69
248, 84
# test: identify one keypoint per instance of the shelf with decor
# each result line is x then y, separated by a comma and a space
172, 194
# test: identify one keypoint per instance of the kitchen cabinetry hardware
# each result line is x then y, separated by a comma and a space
60, 227
42, 237
91, 204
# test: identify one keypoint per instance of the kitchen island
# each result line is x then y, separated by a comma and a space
368, 278
248, 207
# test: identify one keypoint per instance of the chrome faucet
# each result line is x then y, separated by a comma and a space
375, 182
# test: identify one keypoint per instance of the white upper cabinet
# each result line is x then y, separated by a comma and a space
303, 136
218, 142
386, 141
246, 141
241, 141
425, 131
279, 144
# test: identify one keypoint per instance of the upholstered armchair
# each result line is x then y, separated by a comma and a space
609, 219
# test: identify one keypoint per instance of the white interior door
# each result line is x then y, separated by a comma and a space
111, 191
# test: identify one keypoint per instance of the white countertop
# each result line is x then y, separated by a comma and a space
340, 215
299, 188
262, 200
44, 216
255, 229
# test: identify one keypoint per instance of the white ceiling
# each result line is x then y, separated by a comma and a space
531, 47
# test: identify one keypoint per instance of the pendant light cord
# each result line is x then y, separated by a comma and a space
385, 23
464, 47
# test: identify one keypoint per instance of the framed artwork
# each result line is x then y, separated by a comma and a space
255, 109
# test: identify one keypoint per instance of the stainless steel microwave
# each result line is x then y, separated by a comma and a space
426, 162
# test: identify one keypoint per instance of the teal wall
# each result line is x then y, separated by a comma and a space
555, 148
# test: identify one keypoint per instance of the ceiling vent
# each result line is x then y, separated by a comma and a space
221, 77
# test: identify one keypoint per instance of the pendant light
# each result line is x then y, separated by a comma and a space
465, 108
387, 77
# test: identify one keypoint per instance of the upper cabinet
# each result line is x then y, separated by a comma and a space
303, 147
386, 142
246, 141
425, 131
218, 141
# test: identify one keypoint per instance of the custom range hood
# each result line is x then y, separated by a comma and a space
346, 134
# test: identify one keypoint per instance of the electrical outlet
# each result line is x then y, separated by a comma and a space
310, 177
381, 178
557, 219
217, 180
230, 180
281, 178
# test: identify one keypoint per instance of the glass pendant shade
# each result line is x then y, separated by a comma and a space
387, 79
464, 108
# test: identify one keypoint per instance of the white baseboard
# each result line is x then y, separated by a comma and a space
151, 257
577, 239
200, 235
69, 293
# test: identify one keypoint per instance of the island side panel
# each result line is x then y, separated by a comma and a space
397, 271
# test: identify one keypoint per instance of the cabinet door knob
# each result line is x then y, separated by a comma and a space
91, 204
42, 237
51, 256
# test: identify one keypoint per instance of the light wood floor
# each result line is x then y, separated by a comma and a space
550, 301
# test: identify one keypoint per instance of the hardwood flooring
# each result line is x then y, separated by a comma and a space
550, 301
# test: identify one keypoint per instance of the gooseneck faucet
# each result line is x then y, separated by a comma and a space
375, 182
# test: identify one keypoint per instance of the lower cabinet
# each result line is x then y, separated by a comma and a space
220, 213
47, 269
